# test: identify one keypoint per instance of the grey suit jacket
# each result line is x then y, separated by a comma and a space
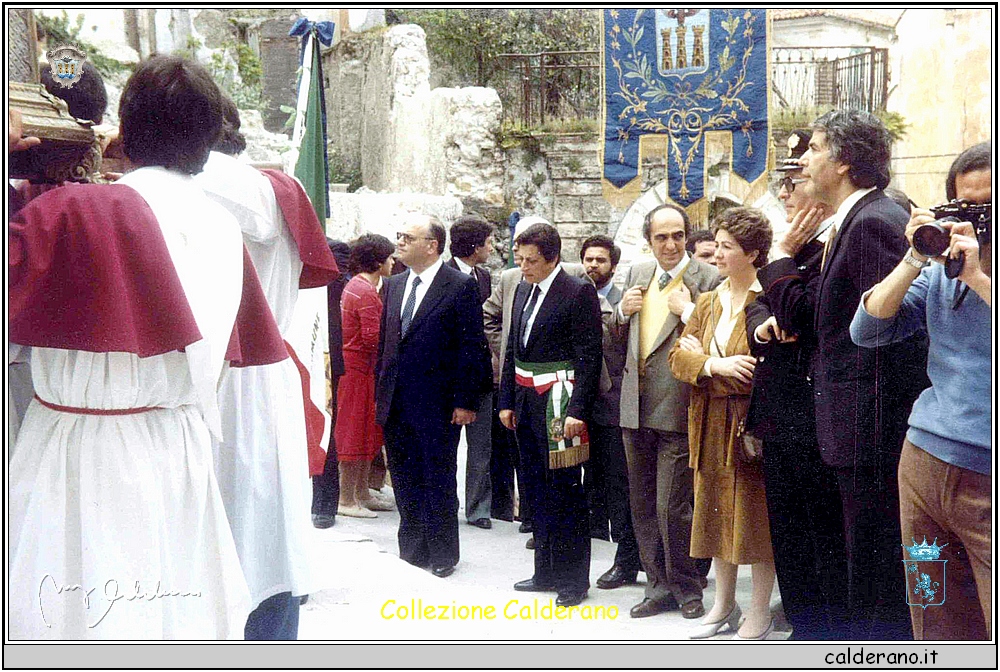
657, 400
496, 311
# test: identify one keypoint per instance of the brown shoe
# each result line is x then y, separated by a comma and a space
693, 609
650, 607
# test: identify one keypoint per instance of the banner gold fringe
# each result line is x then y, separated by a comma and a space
570, 457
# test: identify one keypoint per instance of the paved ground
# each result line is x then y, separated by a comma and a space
362, 561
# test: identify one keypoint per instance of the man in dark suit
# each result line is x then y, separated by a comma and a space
430, 375
470, 246
549, 381
861, 397
803, 499
605, 477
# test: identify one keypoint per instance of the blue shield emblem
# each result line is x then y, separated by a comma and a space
66, 65
925, 575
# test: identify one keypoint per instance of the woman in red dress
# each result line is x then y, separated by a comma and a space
357, 436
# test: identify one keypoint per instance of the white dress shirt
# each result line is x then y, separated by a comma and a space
543, 287
426, 278
464, 267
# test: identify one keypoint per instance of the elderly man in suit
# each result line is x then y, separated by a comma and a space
470, 246
430, 376
862, 397
606, 474
650, 318
496, 323
548, 385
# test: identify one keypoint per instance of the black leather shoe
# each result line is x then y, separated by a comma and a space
532, 586
616, 577
482, 523
570, 598
530, 544
650, 607
693, 609
323, 520
442, 572
525, 527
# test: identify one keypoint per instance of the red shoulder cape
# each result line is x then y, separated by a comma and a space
319, 266
90, 270
255, 340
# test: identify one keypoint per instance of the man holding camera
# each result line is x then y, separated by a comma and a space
861, 397
944, 470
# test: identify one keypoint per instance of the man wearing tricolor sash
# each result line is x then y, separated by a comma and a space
549, 381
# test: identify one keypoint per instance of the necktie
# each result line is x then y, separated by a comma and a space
411, 301
664, 279
528, 310
828, 246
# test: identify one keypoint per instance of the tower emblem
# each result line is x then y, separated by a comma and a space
66, 63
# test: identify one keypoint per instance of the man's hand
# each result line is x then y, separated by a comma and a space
737, 366
804, 225
508, 420
679, 299
691, 344
573, 427
461, 416
769, 329
15, 143
631, 302
964, 242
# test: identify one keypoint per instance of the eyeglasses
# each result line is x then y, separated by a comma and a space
408, 239
788, 183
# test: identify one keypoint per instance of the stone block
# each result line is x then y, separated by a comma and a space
566, 210
594, 209
576, 187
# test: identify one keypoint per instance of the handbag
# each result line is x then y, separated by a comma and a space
749, 447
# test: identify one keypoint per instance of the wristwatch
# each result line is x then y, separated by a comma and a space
910, 259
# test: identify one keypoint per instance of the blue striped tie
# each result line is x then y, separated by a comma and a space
411, 301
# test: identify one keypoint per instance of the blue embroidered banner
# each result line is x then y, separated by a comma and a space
680, 74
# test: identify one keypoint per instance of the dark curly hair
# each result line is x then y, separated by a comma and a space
977, 157
750, 228
600, 240
87, 99
467, 233
860, 140
543, 236
230, 141
171, 114
369, 252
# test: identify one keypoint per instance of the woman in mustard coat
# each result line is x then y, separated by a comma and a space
730, 513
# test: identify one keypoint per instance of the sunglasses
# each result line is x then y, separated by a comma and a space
408, 239
788, 183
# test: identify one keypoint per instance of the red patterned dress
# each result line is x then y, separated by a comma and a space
357, 436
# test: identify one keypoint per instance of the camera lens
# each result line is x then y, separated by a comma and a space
931, 240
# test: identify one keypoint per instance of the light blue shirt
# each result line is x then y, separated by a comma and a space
951, 419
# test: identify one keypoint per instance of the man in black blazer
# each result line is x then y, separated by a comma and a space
803, 498
470, 246
549, 381
430, 376
861, 397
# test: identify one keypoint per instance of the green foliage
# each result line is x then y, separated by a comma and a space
896, 124
341, 173
573, 164
466, 42
246, 89
59, 31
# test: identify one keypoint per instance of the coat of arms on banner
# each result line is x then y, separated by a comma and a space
925, 574
675, 79
66, 64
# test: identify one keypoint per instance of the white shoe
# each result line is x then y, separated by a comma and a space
762, 636
706, 630
376, 504
356, 512
382, 496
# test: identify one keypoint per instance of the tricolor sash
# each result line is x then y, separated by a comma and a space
555, 380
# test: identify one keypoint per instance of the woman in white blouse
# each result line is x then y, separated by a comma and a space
730, 513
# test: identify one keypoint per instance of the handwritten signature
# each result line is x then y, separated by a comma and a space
112, 594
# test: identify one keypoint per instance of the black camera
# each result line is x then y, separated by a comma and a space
932, 240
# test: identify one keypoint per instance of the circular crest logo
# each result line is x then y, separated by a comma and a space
66, 63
